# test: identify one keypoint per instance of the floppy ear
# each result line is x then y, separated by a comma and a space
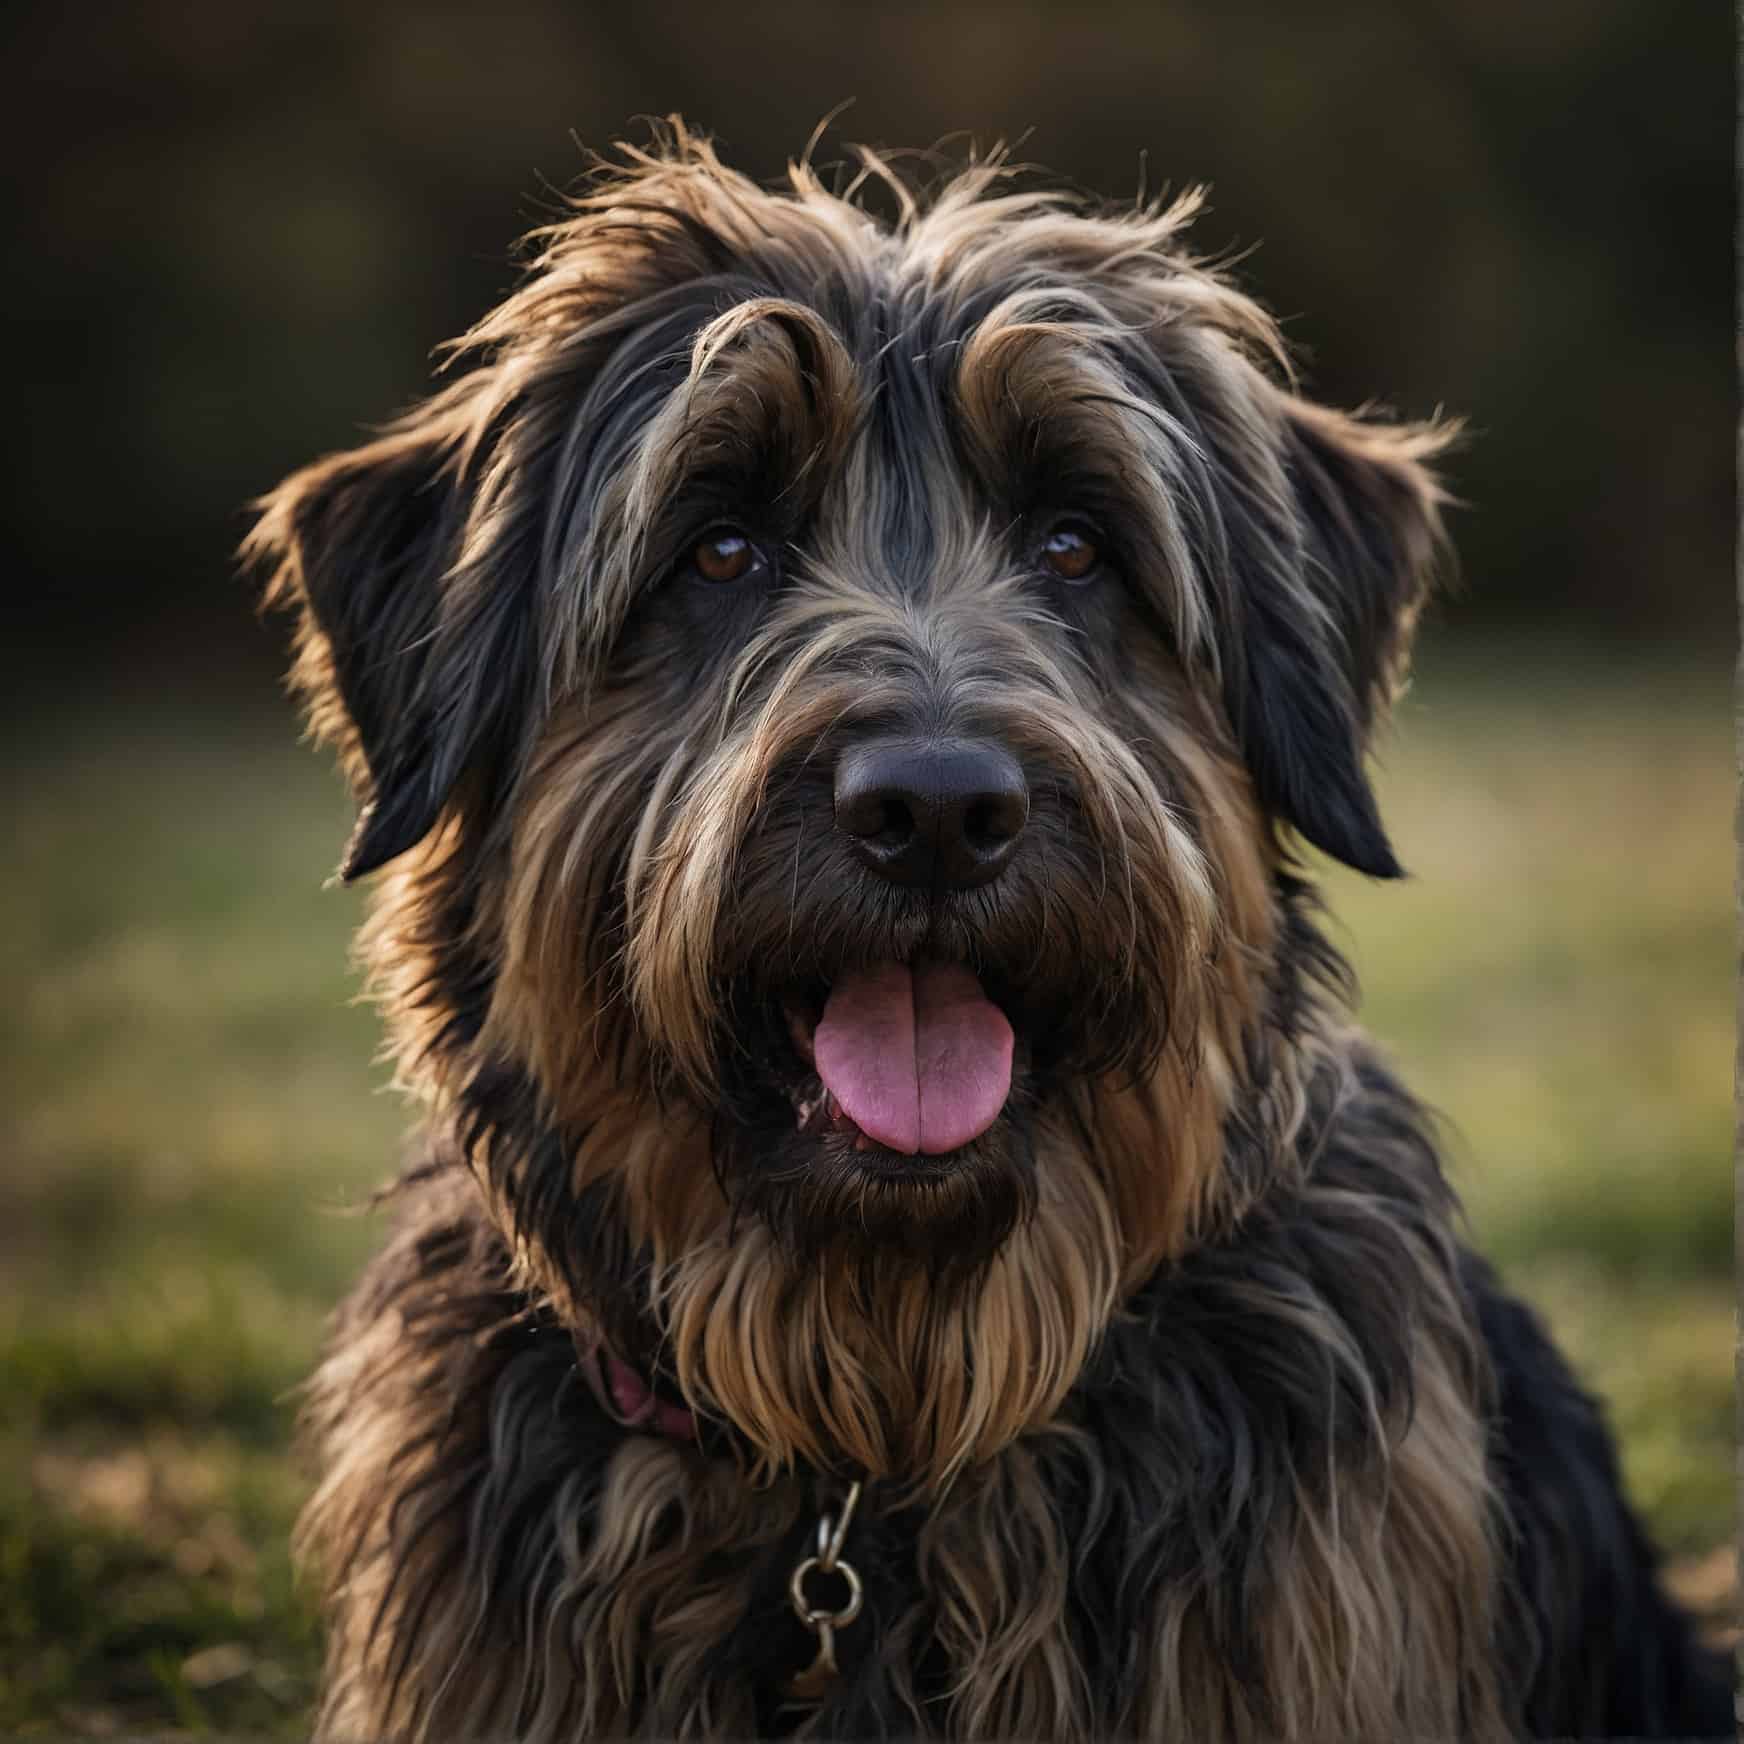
1327, 614
405, 662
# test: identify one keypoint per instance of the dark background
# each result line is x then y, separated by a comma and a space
243, 228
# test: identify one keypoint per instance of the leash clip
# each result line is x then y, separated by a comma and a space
811, 1685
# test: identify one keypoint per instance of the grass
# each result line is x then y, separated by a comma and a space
1558, 980
193, 1114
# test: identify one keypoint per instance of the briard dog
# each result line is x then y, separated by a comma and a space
907, 1239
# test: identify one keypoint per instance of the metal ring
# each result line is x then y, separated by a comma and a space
808, 1614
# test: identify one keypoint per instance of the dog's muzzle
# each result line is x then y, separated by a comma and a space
912, 1055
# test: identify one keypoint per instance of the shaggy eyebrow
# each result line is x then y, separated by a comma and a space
1052, 418
763, 399
733, 409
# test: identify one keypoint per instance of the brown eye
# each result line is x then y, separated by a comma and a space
1070, 553
725, 555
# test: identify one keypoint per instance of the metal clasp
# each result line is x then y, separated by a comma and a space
811, 1685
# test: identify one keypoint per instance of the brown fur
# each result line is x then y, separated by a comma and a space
597, 848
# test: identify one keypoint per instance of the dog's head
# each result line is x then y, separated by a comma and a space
835, 697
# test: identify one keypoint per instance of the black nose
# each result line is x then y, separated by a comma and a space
940, 814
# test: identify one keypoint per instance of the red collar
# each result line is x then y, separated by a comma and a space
630, 1400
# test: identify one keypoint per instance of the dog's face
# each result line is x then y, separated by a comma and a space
832, 693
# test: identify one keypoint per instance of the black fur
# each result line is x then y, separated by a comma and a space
1203, 1405
483, 568
1600, 1651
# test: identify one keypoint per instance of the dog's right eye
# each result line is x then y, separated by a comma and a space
725, 554
1070, 551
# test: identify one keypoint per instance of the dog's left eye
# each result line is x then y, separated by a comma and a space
724, 554
1070, 551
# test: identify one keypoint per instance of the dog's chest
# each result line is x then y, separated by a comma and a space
942, 1618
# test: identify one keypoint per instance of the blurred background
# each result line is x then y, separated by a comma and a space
236, 235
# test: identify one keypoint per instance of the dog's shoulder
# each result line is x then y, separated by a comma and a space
1597, 1646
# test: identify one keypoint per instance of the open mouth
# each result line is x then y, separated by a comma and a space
901, 1060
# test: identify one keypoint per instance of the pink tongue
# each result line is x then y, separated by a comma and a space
919, 1059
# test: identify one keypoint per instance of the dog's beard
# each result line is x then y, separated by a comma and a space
883, 1058
787, 1150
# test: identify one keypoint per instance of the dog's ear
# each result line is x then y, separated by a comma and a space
405, 665
1328, 615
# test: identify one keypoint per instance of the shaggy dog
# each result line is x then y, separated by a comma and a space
907, 1239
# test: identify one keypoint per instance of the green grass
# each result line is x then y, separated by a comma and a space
1557, 979
194, 1106
191, 1109
1557, 976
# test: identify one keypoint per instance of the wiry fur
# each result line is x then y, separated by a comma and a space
1178, 1395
